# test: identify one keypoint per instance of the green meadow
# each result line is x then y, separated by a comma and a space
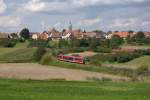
69, 90
16, 54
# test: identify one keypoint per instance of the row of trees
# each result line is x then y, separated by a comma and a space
95, 44
138, 38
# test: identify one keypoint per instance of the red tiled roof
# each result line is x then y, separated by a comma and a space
122, 34
147, 33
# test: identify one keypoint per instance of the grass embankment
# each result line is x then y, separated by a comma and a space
16, 54
89, 67
7, 50
133, 64
64, 90
145, 60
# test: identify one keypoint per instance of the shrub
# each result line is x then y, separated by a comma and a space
39, 53
142, 69
38, 43
78, 50
105, 79
53, 44
6, 42
46, 59
95, 62
102, 49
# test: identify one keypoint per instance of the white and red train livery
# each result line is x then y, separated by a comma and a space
72, 59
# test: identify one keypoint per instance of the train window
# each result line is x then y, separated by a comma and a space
78, 59
70, 58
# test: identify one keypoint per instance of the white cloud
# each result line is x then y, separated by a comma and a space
35, 5
90, 22
94, 2
128, 24
57, 25
124, 23
2, 6
145, 23
39, 5
9, 21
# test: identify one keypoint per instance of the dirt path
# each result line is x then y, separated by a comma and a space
40, 72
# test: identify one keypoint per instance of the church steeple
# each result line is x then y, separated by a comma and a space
70, 26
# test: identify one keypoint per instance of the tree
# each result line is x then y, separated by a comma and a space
94, 43
129, 39
63, 43
84, 43
39, 53
139, 37
116, 41
25, 34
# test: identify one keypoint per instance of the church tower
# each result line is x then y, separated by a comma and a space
70, 26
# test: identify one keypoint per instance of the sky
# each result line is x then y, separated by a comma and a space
40, 15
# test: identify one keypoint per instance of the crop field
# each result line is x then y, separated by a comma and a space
136, 47
69, 90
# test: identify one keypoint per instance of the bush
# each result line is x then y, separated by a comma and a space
39, 53
46, 59
79, 50
38, 43
53, 44
142, 69
102, 49
96, 62
6, 42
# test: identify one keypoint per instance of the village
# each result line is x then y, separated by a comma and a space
54, 34
74, 50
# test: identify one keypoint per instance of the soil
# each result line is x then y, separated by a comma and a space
40, 72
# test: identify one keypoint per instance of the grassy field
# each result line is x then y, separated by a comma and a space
7, 50
133, 64
145, 60
22, 45
63, 90
16, 54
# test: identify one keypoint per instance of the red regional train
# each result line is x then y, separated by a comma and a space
72, 59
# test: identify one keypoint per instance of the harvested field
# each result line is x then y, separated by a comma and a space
40, 72
85, 54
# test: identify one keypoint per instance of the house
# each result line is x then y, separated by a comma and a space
4, 35
147, 34
43, 36
54, 34
34, 36
77, 34
13, 35
90, 34
66, 35
123, 34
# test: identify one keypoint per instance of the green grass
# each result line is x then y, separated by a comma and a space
22, 45
145, 60
133, 64
17, 47
17, 55
7, 50
63, 90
